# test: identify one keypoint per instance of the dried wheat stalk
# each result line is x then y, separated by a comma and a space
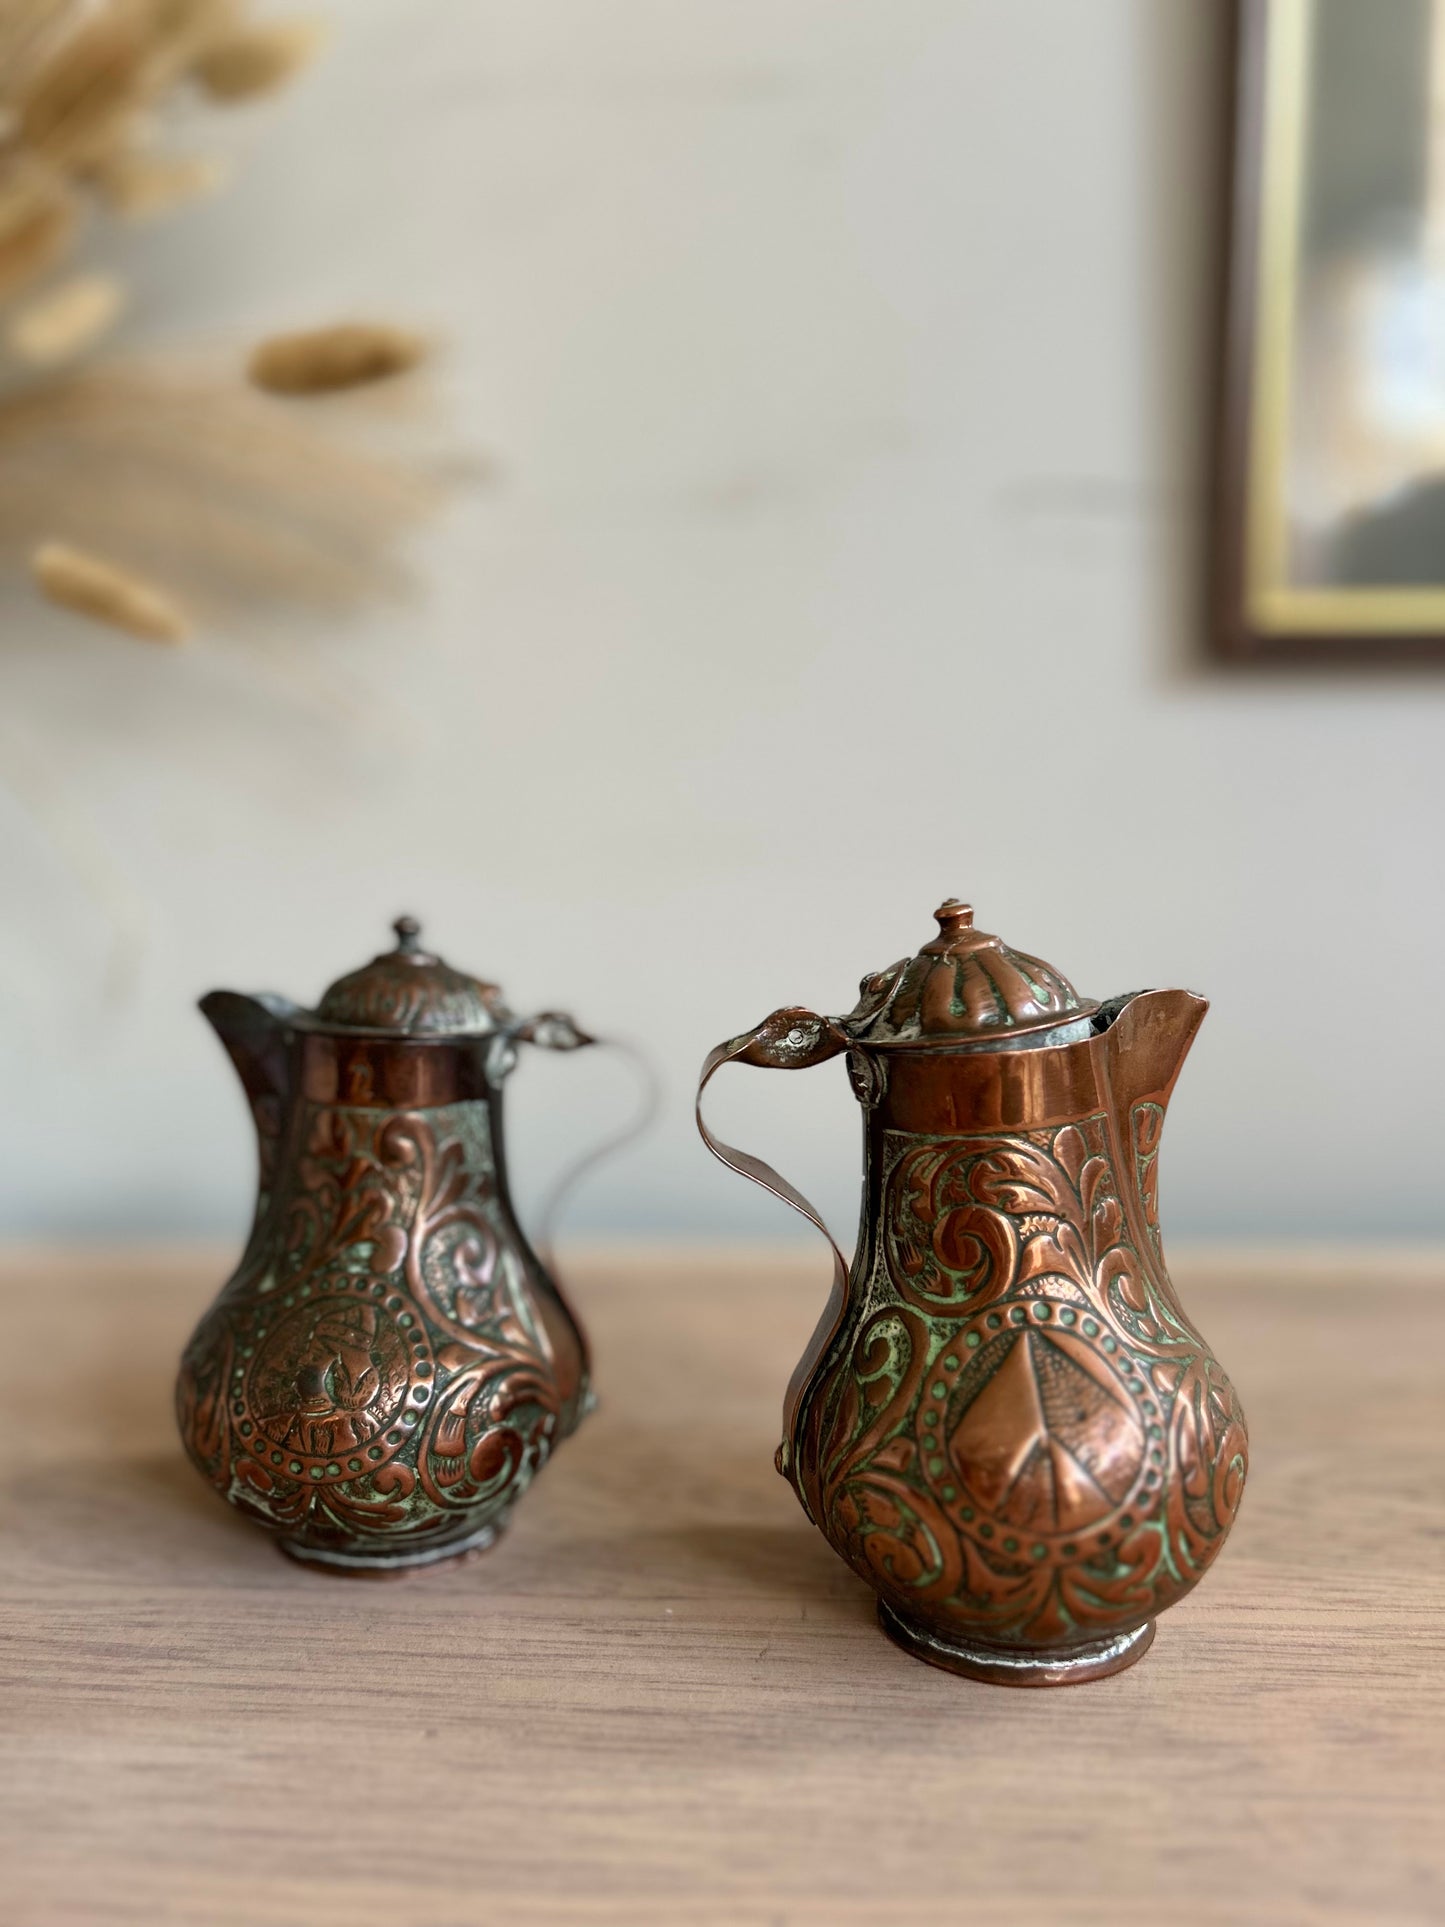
139, 185
344, 356
194, 479
80, 84
209, 486
38, 217
63, 322
107, 592
257, 59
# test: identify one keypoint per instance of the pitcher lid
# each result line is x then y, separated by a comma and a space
410, 992
964, 987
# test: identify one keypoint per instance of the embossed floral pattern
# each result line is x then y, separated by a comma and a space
378, 1369
1025, 1440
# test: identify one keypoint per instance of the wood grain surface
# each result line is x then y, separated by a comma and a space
661, 1699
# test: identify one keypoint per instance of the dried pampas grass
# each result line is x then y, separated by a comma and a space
81, 85
108, 593
64, 322
227, 498
139, 491
139, 185
347, 355
157, 498
38, 220
89, 91
257, 59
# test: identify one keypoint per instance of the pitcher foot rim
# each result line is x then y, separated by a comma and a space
1066, 1666
390, 1559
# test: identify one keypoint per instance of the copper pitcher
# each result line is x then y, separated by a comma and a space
1005, 1421
391, 1364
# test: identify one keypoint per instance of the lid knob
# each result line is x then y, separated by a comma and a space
408, 991
962, 987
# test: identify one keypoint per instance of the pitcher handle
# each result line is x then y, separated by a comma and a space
791, 1039
556, 1031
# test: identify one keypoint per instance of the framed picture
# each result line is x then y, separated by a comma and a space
1331, 535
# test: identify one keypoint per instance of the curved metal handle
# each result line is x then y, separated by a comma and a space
564, 1034
553, 1030
548, 1030
791, 1039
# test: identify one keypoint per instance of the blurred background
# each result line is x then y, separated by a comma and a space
818, 401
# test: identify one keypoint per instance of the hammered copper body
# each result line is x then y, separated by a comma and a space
390, 1365
1006, 1422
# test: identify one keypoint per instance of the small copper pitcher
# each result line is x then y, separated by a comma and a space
391, 1364
1005, 1422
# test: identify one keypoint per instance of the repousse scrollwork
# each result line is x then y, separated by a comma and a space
1146, 1121
377, 1370
1026, 1438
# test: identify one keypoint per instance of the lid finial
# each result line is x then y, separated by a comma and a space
407, 991
962, 988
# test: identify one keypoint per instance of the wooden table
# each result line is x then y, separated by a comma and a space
662, 1699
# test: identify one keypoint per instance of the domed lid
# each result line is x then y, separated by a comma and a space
411, 993
965, 987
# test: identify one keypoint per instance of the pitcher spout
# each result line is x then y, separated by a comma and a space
257, 1035
1139, 1047
1141, 1042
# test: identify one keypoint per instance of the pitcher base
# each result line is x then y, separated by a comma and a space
392, 1560
1064, 1666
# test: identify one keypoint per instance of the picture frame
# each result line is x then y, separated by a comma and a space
1330, 523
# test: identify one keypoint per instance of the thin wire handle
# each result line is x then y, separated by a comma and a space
544, 1244
790, 1039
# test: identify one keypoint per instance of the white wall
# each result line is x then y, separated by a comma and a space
843, 363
